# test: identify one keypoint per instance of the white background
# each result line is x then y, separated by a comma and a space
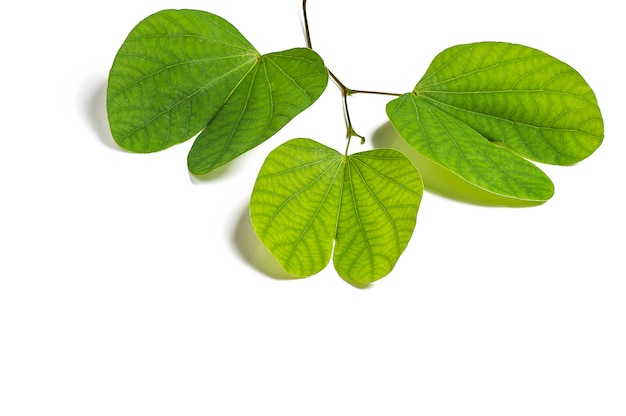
129, 287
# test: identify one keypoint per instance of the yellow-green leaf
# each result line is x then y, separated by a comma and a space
309, 198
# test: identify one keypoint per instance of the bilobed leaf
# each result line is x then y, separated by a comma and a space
180, 72
308, 196
481, 106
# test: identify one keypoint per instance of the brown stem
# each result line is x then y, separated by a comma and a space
307, 33
345, 91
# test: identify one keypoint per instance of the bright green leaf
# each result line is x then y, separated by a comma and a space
382, 191
308, 196
478, 99
180, 72
451, 143
295, 204
171, 75
279, 87
525, 99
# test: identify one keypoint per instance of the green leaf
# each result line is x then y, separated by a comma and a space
180, 72
479, 106
308, 196
295, 204
382, 192
279, 87
454, 145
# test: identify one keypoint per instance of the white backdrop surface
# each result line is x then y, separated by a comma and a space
130, 287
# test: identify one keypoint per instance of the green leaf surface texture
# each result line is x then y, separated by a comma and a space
277, 89
171, 75
382, 191
479, 101
454, 145
308, 197
180, 72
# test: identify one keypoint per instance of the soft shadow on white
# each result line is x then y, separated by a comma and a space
252, 251
231, 168
94, 106
441, 181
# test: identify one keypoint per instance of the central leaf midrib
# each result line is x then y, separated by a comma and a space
442, 105
170, 66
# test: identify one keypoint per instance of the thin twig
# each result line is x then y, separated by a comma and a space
307, 32
394, 94
345, 91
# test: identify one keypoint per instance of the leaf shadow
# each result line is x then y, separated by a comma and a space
252, 251
250, 248
96, 114
439, 180
222, 172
